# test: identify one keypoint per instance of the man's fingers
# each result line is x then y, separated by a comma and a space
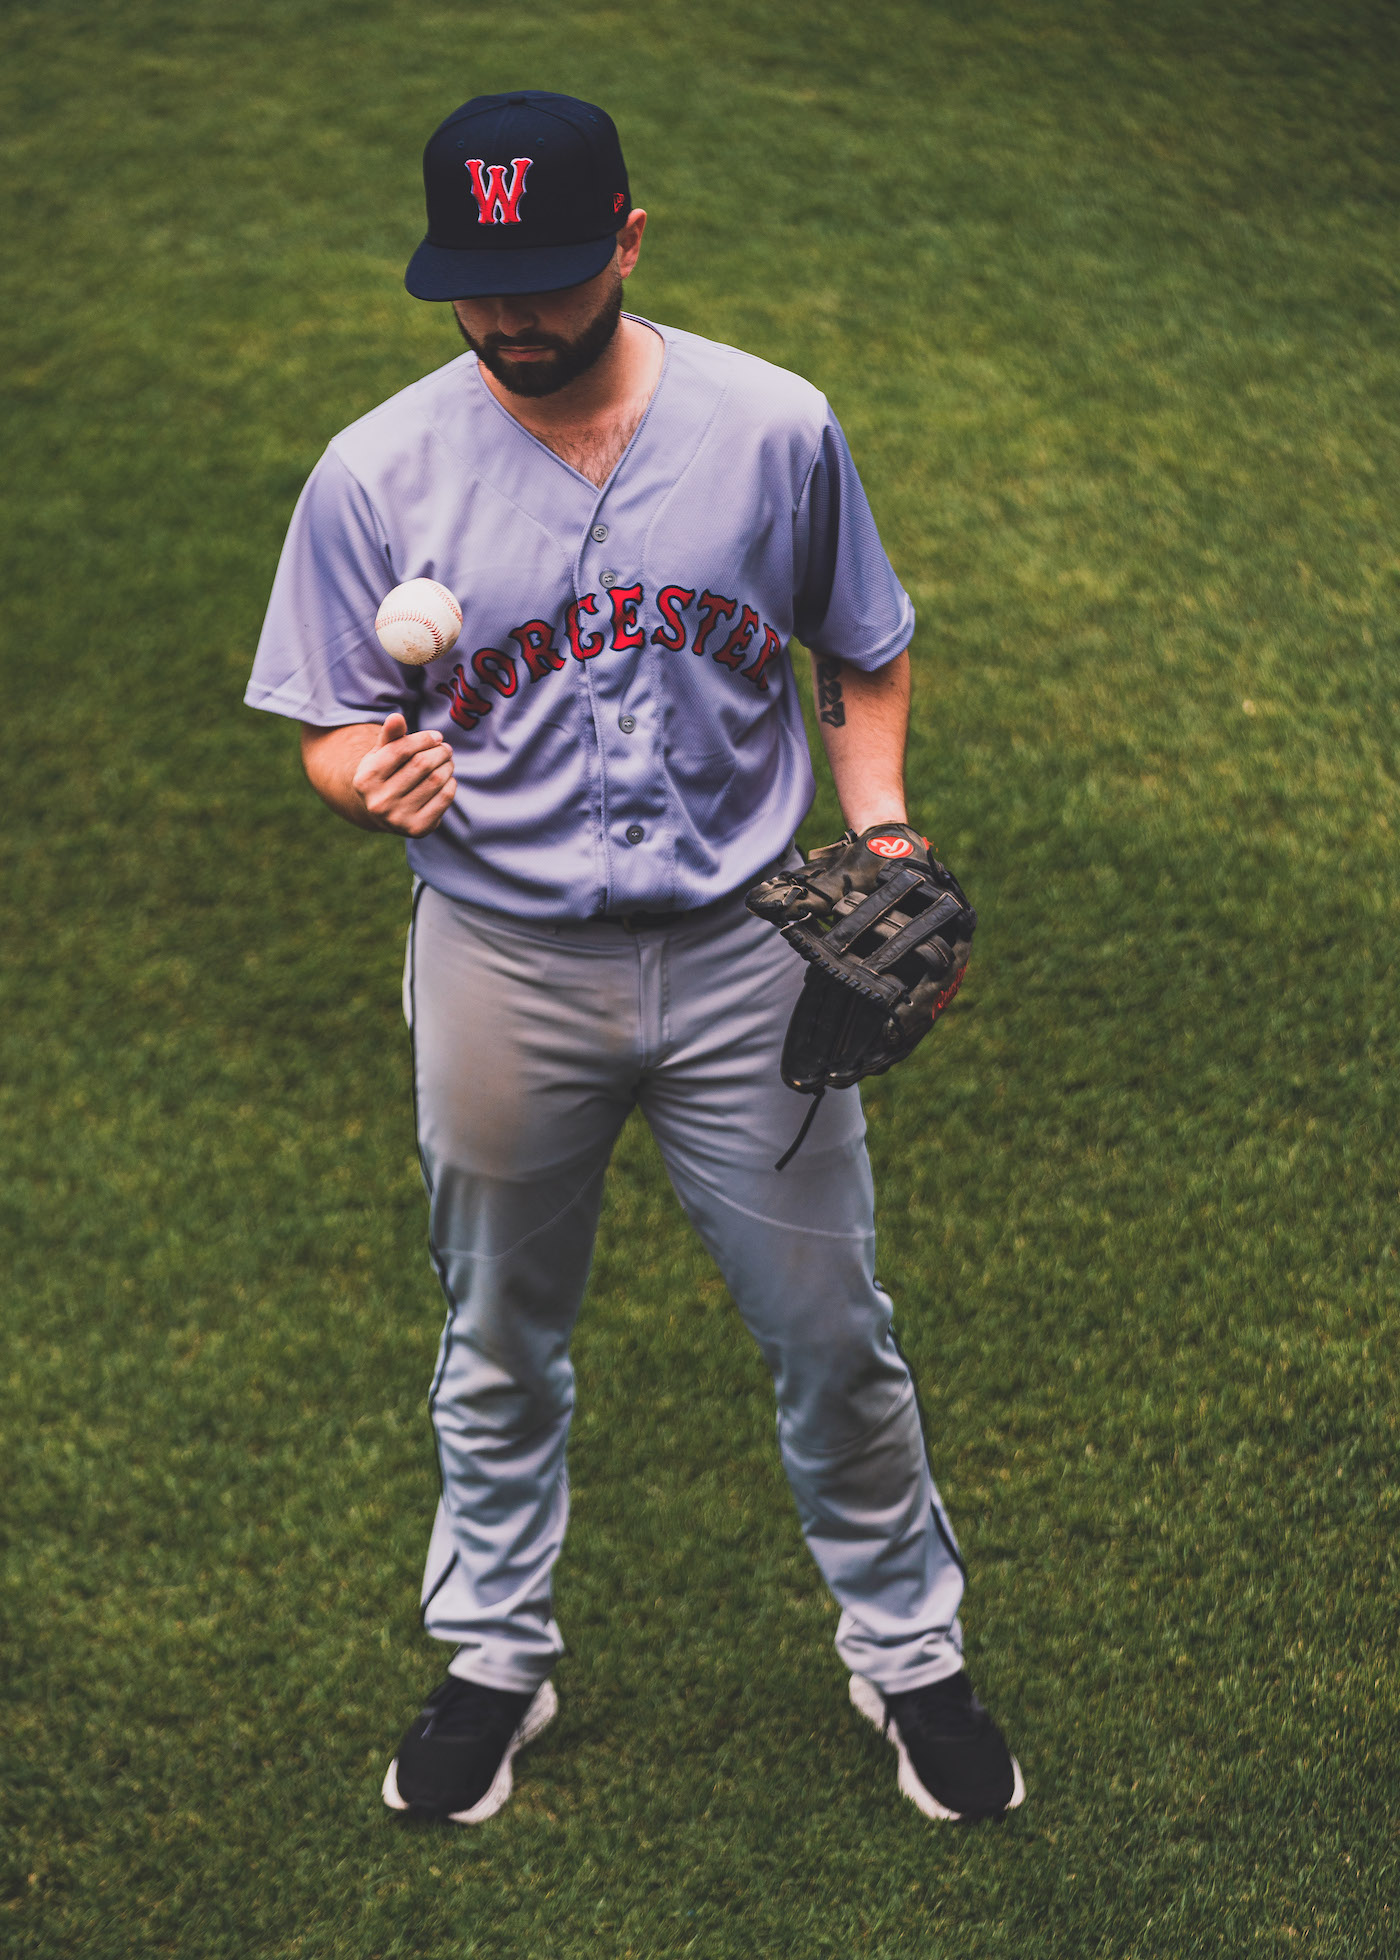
433, 812
411, 798
397, 808
396, 765
394, 727
417, 766
397, 796
386, 758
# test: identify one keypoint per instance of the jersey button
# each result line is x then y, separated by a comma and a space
599, 534
607, 580
635, 833
627, 723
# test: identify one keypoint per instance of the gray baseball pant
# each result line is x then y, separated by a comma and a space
532, 1043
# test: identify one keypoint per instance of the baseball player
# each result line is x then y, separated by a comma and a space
636, 522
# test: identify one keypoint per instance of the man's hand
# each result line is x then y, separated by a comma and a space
405, 782
381, 778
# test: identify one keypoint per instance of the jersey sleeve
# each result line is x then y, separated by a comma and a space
849, 602
318, 659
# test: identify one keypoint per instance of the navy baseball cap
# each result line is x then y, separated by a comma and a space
526, 193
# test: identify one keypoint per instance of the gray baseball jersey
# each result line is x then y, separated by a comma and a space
626, 728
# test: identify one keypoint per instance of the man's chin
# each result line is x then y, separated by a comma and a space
527, 377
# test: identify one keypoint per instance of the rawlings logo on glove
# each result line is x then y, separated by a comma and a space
886, 931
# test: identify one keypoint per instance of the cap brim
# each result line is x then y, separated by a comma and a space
436, 273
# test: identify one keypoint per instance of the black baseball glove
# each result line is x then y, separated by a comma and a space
886, 931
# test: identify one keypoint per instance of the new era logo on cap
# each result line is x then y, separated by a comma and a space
526, 194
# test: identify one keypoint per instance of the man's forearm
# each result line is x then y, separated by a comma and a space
864, 721
330, 757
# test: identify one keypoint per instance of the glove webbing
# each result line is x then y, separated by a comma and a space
870, 976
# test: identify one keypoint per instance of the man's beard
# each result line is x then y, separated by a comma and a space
571, 357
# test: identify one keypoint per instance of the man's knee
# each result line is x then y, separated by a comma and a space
838, 1387
501, 1392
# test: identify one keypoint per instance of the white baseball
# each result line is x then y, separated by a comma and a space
419, 620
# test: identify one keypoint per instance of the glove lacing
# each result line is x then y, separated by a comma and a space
801, 1136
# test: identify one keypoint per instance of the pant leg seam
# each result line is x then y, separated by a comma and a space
762, 1218
488, 1258
438, 1584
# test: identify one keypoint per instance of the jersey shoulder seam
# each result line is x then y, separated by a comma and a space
363, 488
812, 459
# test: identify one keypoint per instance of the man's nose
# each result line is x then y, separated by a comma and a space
514, 318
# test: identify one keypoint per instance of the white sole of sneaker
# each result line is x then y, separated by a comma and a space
867, 1700
537, 1716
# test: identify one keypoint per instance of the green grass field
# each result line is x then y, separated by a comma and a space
1106, 297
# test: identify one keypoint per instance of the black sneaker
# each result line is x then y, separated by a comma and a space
953, 1759
454, 1761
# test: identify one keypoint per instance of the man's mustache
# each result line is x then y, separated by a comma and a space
495, 343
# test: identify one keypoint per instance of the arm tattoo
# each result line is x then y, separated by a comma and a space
831, 706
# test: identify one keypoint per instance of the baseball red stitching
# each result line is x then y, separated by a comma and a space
399, 618
407, 619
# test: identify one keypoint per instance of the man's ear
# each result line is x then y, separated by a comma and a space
629, 241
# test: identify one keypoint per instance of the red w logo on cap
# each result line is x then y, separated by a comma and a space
498, 203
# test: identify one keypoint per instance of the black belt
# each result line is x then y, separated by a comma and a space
642, 921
